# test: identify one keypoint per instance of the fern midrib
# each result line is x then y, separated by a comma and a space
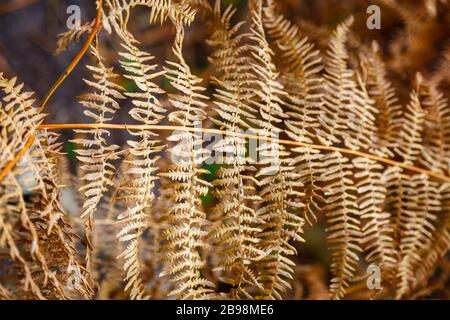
351, 152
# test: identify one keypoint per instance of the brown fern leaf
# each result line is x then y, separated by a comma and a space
279, 183
440, 244
42, 218
118, 12
58, 236
19, 123
12, 208
408, 147
348, 115
377, 231
388, 117
109, 273
336, 145
65, 39
399, 185
18, 118
301, 67
235, 230
300, 75
362, 133
410, 139
186, 237
339, 85
436, 132
139, 188
96, 155
344, 220
416, 227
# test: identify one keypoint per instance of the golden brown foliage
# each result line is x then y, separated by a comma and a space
373, 169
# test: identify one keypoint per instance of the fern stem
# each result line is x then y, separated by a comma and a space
248, 136
55, 86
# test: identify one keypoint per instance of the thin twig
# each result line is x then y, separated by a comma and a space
77, 58
248, 136
55, 86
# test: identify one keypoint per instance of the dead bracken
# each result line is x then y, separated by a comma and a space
339, 146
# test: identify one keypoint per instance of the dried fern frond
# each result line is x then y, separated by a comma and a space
388, 116
42, 218
59, 237
440, 244
348, 109
339, 85
186, 237
301, 65
436, 131
118, 12
336, 146
416, 227
344, 221
72, 35
109, 274
377, 232
139, 188
300, 75
278, 182
96, 154
410, 139
408, 146
19, 123
12, 208
235, 229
